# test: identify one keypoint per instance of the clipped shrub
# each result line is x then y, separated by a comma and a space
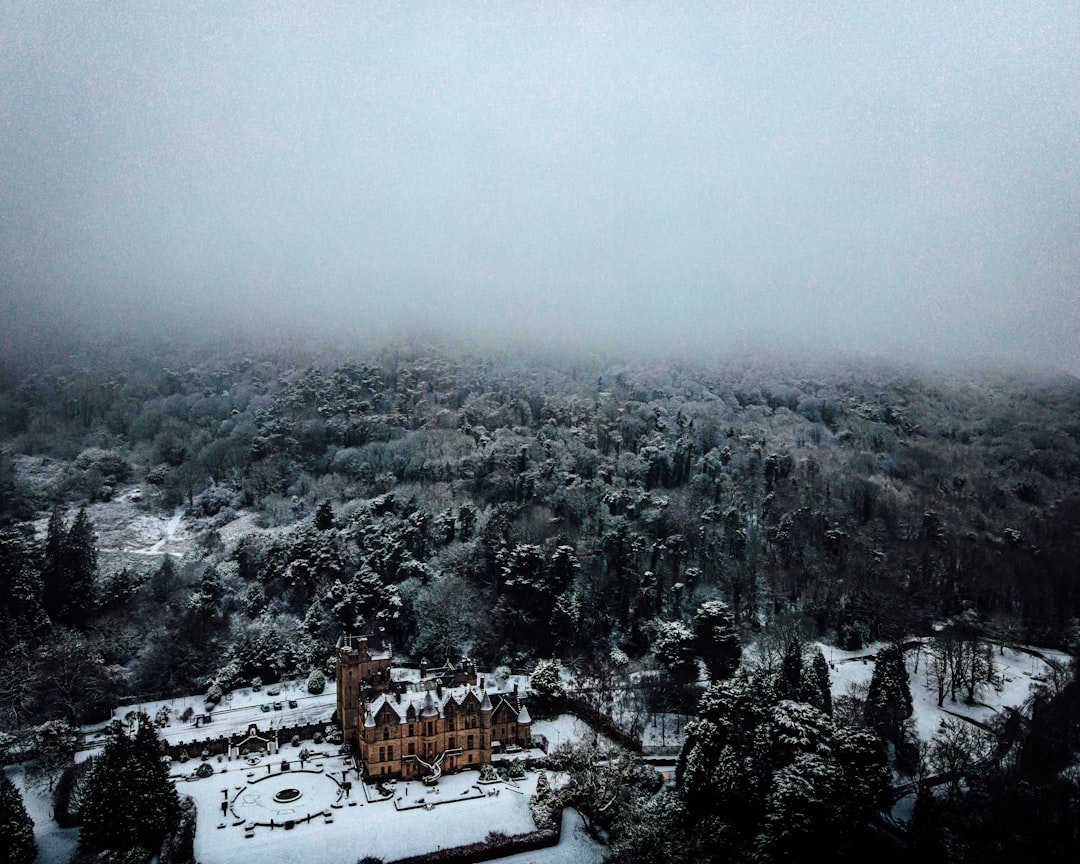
204, 770
214, 694
316, 681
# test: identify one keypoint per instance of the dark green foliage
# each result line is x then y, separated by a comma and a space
17, 844
69, 568
819, 689
674, 645
717, 639
776, 779
888, 701
324, 517
129, 800
21, 612
652, 829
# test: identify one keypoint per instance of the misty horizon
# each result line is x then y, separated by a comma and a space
895, 182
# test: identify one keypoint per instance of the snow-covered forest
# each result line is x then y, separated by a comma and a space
181, 521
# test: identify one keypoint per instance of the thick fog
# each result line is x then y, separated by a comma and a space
893, 178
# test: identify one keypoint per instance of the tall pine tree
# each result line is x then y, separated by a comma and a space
888, 701
16, 827
54, 579
129, 801
68, 569
80, 561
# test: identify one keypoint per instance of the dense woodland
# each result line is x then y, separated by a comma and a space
609, 514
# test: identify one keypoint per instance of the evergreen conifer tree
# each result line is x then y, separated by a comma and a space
324, 517
888, 701
819, 690
54, 587
717, 639
16, 826
68, 570
129, 801
80, 561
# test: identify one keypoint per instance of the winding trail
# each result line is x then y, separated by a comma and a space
169, 532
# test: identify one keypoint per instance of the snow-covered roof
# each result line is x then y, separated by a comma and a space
434, 703
523, 715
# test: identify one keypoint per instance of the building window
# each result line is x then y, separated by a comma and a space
470, 757
452, 744
382, 754
386, 733
411, 733
470, 747
390, 753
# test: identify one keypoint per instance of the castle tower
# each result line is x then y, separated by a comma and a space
360, 668
351, 655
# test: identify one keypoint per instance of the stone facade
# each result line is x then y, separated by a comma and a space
360, 668
421, 729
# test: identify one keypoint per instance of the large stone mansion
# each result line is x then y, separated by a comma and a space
442, 722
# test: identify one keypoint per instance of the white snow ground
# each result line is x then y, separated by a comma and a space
459, 811
237, 710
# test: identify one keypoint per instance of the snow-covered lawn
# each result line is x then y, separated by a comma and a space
1015, 673
565, 728
414, 820
237, 710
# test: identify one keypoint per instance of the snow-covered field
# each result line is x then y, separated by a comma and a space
237, 710
1015, 673
414, 820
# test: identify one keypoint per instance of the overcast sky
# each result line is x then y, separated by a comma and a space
886, 177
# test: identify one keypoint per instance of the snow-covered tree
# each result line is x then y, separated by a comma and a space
651, 828
128, 799
888, 701
674, 646
546, 679
54, 743
543, 803
601, 780
16, 826
316, 681
818, 689
69, 567
717, 640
